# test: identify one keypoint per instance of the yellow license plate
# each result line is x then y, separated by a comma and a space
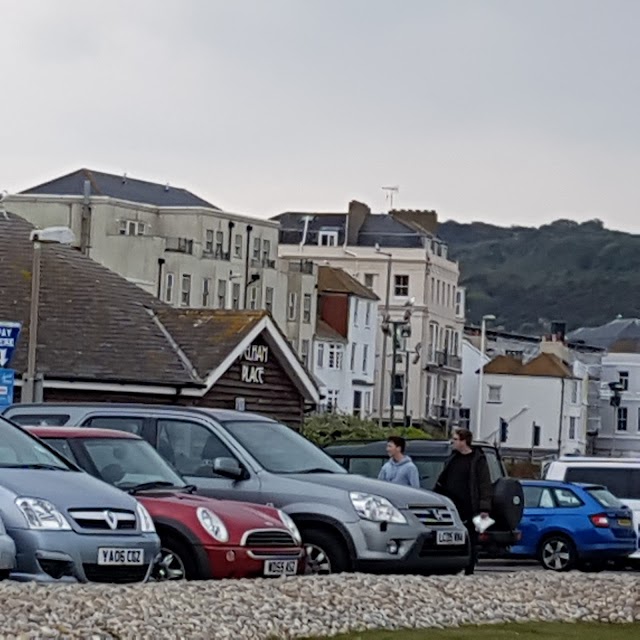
624, 522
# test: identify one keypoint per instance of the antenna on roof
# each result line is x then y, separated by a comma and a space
124, 177
390, 191
3, 211
166, 187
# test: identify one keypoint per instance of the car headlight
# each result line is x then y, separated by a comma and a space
41, 514
375, 508
291, 525
212, 524
145, 520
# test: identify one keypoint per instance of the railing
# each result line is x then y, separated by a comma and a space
179, 245
445, 359
217, 254
301, 266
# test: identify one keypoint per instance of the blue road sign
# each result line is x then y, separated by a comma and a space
9, 333
7, 377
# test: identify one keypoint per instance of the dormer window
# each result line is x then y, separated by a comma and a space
328, 238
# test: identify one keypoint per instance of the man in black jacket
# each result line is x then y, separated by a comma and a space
465, 479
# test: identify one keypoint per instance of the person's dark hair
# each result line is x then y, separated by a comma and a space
399, 441
464, 434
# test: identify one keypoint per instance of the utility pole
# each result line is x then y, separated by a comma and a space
385, 335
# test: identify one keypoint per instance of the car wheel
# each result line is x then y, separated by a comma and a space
325, 552
176, 561
558, 553
4, 575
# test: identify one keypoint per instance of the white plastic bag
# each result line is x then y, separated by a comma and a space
482, 524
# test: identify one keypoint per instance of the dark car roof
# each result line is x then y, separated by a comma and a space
80, 432
378, 448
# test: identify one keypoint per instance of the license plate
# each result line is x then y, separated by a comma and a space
109, 557
450, 537
280, 567
624, 522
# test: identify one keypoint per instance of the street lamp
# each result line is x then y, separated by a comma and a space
385, 323
50, 235
483, 339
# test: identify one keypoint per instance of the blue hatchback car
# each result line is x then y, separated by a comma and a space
567, 524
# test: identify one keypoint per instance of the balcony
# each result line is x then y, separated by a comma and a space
216, 254
179, 245
301, 266
441, 411
445, 360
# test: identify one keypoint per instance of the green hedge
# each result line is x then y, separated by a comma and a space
325, 429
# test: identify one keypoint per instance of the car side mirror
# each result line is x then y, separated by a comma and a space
228, 468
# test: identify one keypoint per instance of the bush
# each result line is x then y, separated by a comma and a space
327, 428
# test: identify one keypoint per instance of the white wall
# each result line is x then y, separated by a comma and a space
472, 360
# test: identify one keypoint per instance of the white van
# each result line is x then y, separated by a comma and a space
620, 475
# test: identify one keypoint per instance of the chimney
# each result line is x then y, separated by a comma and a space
422, 220
358, 213
515, 354
558, 331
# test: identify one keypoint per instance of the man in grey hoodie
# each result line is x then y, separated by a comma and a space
400, 469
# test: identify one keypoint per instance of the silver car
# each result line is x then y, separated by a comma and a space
7, 553
67, 525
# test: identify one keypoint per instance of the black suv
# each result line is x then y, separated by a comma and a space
367, 457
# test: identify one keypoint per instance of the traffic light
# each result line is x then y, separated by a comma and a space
616, 389
504, 430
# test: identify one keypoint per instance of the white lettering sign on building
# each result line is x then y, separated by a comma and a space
252, 370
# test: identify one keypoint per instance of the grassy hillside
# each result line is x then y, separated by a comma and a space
583, 274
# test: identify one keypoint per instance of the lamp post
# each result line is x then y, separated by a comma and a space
50, 235
385, 322
483, 339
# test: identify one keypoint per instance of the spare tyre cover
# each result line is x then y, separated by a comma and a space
508, 503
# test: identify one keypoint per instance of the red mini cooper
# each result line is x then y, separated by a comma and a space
201, 537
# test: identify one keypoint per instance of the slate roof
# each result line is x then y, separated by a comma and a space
621, 335
546, 365
95, 326
378, 228
121, 188
335, 280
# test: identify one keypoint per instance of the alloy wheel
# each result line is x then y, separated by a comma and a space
170, 566
318, 562
557, 555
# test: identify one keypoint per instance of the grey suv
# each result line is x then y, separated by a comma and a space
348, 522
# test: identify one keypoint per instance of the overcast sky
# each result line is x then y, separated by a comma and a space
495, 110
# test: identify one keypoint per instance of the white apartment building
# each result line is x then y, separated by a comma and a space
400, 258
173, 244
345, 342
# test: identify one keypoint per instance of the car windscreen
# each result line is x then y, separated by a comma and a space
428, 468
128, 463
20, 450
604, 497
622, 482
279, 449
39, 419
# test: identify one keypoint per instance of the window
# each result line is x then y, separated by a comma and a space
567, 498
537, 497
168, 287
624, 380
237, 247
367, 402
206, 292
370, 280
334, 356
62, 447
328, 238
537, 433
235, 295
131, 228
40, 419
496, 468
17, 448
320, 356
292, 307
572, 427
268, 299
304, 352
191, 448
401, 286
266, 251
398, 390
185, 291
219, 244
306, 308
605, 498
434, 338
365, 358
117, 423
357, 403
433, 289
332, 400
574, 392
437, 291
354, 348
622, 481
356, 304
208, 242
367, 315
464, 418
222, 294
495, 394
621, 419
256, 248
253, 297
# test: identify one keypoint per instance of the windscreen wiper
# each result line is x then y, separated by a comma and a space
147, 486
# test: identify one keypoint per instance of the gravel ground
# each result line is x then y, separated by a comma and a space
310, 606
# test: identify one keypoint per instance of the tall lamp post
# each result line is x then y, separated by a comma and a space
50, 235
385, 324
483, 340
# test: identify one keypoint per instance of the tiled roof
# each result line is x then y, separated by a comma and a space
121, 188
544, 365
621, 335
326, 332
335, 280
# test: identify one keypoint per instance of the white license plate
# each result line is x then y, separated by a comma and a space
450, 537
109, 557
280, 567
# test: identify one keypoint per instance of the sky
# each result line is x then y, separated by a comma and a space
494, 110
